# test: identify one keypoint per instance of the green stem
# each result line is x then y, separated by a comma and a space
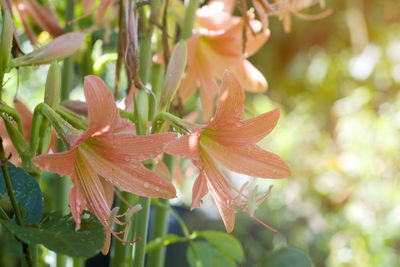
10, 191
78, 262
177, 123
74, 119
159, 229
142, 222
67, 77
121, 254
189, 18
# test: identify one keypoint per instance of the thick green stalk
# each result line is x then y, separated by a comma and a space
67, 77
189, 18
121, 254
159, 229
11, 195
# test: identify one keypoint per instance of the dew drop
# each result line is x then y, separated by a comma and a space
157, 188
146, 185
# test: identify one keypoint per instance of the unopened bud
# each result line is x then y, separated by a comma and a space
53, 85
175, 70
6, 41
58, 49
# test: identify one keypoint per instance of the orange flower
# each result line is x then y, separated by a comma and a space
217, 43
232, 143
107, 154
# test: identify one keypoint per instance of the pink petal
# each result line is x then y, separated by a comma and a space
77, 203
250, 78
189, 82
103, 113
248, 159
185, 147
91, 188
132, 177
208, 90
108, 191
199, 190
104, 5
129, 147
255, 42
231, 102
220, 190
245, 131
62, 163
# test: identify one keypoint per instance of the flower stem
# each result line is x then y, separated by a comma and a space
67, 77
121, 254
10, 191
189, 18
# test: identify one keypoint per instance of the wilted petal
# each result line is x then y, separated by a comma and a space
248, 159
231, 102
62, 163
186, 147
246, 131
103, 113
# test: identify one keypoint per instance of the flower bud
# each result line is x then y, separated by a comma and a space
53, 85
58, 49
175, 70
6, 41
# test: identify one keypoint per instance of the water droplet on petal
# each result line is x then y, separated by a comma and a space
146, 185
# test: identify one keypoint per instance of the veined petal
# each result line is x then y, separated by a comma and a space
248, 159
185, 147
91, 188
208, 90
103, 113
220, 190
199, 190
108, 191
132, 177
231, 102
62, 163
227, 213
129, 147
77, 203
245, 131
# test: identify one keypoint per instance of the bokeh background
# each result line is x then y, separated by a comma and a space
337, 82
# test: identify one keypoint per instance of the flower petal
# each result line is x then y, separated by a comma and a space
91, 188
208, 90
185, 147
250, 78
231, 102
62, 163
103, 113
129, 147
77, 203
132, 177
199, 190
255, 42
245, 131
220, 190
248, 159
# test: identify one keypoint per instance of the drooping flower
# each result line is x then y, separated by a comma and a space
231, 142
107, 154
217, 43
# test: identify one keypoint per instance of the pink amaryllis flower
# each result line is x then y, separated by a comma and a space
107, 154
231, 142
217, 43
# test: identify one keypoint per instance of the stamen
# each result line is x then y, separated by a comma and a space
260, 222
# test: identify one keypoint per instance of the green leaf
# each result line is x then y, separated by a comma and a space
226, 243
163, 241
57, 232
209, 256
27, 192
287, 257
